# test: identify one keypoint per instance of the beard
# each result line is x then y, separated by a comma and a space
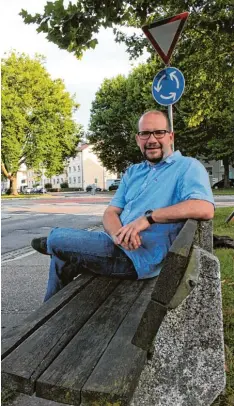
152, 159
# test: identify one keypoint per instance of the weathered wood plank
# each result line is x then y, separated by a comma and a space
173, 270
65, 377
175, 264
149, 325
22, 367
12, 337
115, 377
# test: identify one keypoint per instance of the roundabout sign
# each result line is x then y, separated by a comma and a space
168, 86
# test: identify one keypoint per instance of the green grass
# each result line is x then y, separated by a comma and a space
24, 196
7, 396
226, 258
219, 225
229, 191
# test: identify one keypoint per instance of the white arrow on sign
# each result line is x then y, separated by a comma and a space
172, 96
173, 76
158, 87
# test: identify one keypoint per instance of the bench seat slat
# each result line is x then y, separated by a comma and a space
116, 374
22, 367
11, 338
65, 377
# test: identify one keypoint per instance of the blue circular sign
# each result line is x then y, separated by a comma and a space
168, 86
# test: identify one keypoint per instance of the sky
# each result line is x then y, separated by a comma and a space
82, 77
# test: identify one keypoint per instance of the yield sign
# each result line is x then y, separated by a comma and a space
164, 34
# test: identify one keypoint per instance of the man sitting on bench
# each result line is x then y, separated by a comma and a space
148, 210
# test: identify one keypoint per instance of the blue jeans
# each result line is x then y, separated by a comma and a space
78, 251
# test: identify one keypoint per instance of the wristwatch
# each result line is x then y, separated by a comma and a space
148, 215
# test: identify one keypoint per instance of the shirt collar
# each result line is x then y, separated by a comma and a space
170, 159
173, 157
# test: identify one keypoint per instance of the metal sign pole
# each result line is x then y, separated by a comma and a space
170, 116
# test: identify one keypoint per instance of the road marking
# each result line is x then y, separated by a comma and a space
19, 257
28, 250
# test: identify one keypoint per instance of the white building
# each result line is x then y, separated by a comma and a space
82, 170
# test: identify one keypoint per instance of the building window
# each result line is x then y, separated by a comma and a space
69, 180
69, 169
78, 179
78, 167
74, 179
23, 181
74, 168
54, 181
209, 170
57, 180
61, 180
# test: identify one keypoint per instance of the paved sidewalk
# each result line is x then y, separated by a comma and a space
23, 287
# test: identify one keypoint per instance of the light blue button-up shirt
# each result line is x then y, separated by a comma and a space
145, 186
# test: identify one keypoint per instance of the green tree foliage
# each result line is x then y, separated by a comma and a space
75, 27
37, 124
115, 112
204, 115
111, 128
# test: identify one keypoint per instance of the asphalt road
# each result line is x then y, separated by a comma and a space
25, 219
24, 271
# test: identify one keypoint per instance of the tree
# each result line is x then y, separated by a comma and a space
75, 27
205, 55
37, 124
111, 128
114, 117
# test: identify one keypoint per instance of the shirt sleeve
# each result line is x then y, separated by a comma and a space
119, 196
195, 184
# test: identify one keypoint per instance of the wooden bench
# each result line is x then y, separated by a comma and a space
89, 343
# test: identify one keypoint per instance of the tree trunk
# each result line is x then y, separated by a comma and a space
13, 185
226, 172
13, 179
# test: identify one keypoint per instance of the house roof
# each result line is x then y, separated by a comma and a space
83, 146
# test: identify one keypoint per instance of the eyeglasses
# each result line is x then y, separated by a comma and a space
158, 134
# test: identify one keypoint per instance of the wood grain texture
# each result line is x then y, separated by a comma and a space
23, 366
65, 377
12, 337
116, 375
175, 264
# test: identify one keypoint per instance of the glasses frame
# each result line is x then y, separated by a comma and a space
157, 136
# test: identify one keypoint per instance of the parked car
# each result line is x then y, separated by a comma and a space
38, 189
220, 184
89, 189
114, 185
27, 190
41, 190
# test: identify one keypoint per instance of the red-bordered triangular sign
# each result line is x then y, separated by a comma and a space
164, 34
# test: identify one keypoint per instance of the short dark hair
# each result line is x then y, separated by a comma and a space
157, 112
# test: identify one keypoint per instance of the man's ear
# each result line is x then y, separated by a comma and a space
137, 140
172, 137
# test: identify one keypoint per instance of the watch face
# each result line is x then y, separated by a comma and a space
148, 212
149, 217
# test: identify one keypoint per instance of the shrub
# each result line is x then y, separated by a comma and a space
54, 189
48, 185
64, 185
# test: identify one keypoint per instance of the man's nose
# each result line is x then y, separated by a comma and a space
152, 139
